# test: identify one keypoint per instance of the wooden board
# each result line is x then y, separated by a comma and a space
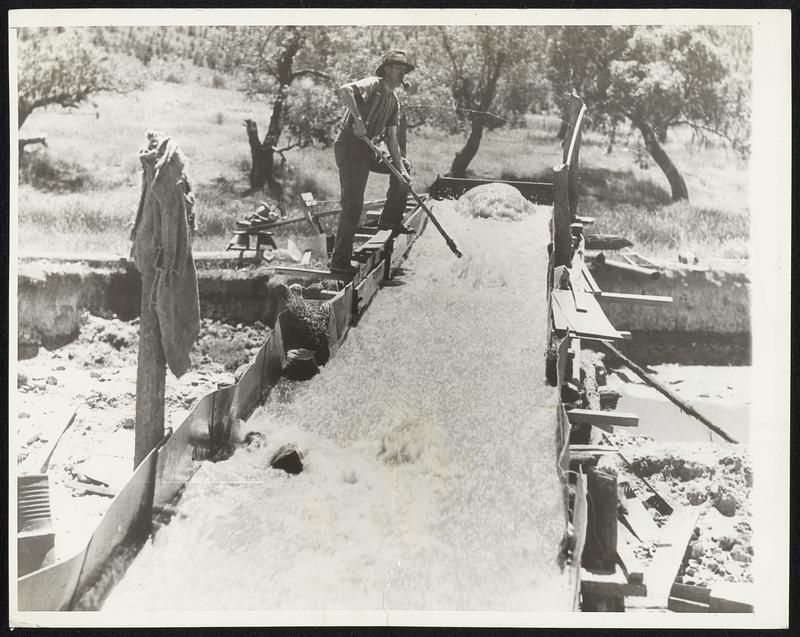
642, 523
732, 597
626, 560
369, 286
580, 517
559, 318
608, 418
592, 323
591, 284
308, 273
635, 299
660, 575
610, 585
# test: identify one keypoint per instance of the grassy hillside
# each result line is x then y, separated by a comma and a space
80, 193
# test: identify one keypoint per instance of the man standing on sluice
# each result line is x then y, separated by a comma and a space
372, 108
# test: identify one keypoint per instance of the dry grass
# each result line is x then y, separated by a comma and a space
81, 192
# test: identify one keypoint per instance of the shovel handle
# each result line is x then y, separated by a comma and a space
450, 243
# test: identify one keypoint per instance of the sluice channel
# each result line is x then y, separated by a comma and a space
429, 458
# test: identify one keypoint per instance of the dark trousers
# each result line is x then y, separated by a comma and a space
355, 161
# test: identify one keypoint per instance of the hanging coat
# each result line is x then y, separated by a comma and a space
162, 248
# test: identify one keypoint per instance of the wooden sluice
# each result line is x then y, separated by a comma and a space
596, 546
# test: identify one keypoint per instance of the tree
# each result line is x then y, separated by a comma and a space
274, 60
658, 78
60, 68
476, 62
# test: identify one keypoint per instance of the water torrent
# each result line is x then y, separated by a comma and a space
428, 444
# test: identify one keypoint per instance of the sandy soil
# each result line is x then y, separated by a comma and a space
97, 374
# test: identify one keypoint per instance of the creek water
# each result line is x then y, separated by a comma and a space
428, 444
721, 394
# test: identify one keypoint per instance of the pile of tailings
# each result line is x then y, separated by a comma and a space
495, 201
428, 448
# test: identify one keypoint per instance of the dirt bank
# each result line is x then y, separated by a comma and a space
704, 300
97, 373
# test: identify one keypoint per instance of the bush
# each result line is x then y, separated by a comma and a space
45, 173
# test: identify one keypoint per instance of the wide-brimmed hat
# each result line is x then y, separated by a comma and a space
396, 56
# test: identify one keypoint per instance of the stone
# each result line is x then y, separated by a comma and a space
128, 422
287, 459
52, 380
237, 375
696, 496
740, 555
22, 379
727, 542
698, 548
726, 504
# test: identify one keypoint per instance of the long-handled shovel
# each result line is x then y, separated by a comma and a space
450, 243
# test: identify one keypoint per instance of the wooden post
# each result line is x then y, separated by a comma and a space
600, 550
150, 378
562, 237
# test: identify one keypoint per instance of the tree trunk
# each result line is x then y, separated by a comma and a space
676, 182
262, 159
263, 153
463, 157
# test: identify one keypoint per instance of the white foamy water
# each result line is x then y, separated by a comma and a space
429, 477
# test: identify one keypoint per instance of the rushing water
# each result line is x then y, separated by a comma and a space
429, 457
721, 394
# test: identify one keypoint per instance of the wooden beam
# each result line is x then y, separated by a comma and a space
589, 324
660, 575
636, 299
610, 585
606, 242
626, 559
731, 597
608, 418
591, 284
641, 373
629, 267
640, 520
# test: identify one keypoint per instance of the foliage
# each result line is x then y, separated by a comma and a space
62, 68
658, 78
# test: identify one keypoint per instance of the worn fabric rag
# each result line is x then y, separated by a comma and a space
162, 248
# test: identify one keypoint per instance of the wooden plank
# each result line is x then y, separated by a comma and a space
610, 585
691, 592
606, 242
575, 343
629, 267
609, 418
591, 284
640, 520
626, 559
586, 221
660, 575
636, 299
680, 605
731, 597
369, 287
559, 319
592, 323
96, 489
307, 273
597, 450
580, 516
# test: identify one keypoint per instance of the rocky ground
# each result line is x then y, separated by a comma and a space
97, 375
717, 478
